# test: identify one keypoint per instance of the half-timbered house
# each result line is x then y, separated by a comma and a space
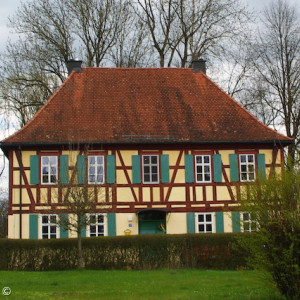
168, 147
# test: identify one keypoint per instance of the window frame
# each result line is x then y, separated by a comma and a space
49, 166
252, 225
97, 224
96, 166
49, 224
247, 164
205, 223
203, 164
150, 165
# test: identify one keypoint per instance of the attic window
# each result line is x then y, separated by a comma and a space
49, 169
150, 169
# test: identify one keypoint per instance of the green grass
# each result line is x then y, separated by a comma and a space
158, 284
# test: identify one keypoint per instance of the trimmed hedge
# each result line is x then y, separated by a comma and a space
203, 251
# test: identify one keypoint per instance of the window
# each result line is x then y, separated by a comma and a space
204, 223
247, 223
96, 169
150, 169
49, 169
49, 226
247, 167
203, 168
96, 227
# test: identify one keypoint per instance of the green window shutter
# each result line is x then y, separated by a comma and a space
234, 170
33, 226
261, 166
217, 167
111, 224
111, 168
83, 229
164, 161
63, 229
34, 169
64, 169
236, 222
219, 222
190, 222
81, 169
189, 168
136, 169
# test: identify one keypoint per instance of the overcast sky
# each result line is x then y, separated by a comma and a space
8, 7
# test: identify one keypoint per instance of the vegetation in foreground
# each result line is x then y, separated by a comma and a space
158, 284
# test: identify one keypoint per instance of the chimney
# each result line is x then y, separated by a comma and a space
199, 65
74, 65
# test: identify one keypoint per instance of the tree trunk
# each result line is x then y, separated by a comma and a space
80, 256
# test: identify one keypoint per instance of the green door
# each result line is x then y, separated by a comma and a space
152, 222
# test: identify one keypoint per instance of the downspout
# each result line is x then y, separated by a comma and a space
20, 194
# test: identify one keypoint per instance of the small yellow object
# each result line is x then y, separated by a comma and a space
127, 232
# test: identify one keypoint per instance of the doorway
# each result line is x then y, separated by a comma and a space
152, 221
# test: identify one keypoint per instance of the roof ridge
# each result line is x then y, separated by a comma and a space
241, 106
41, 109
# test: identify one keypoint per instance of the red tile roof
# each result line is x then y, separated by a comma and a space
121, 105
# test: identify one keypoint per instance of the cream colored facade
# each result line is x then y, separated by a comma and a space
123, 200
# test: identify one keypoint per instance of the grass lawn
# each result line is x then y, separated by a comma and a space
158, 284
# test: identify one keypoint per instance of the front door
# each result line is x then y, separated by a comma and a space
152, 222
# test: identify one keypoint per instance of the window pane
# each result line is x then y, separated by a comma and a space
251, 176
243, 168
92, 219
206, 169
250, 168
100, 219
208, 218
45, 160
207, 177
100, 170
201, 228
53, 160
154, 178
52, 229
154, 169
92, 160
198, 159
243, 158
200, 218
244, 176
100, 229
45, 219
250, 158
199, 177
245, 216
92, 170
45, 170
45, 229
154, 159
92, 178
208, 228
93, 229
53, 178
199, 169
146, 177
100, 178
146, 159
52, 219
206, 159
100, 160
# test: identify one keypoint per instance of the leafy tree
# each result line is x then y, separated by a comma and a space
274, 206
3, 217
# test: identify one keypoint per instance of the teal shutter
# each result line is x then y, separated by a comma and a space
189, 168
81, 169
111, 168
83, 229
261, 166
164, 161
190, 222
34, 169
33, 226
64, 169
234, 170
217, 167
236, 222
136, 169
63, 229
111, 224
219, 222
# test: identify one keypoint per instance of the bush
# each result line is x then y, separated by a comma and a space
207, 251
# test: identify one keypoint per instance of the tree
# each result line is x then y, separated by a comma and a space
276, 58
274, 206
79, 199
3, 214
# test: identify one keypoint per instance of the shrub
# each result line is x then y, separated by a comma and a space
202, 251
